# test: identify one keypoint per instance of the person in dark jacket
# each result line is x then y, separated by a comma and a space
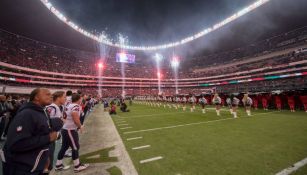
26, 150
124, 107
15, 104
4, 114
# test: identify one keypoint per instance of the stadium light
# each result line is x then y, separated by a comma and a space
158, 57
103, 38
175, 62
100, 65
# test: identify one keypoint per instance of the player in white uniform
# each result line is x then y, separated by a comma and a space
70, 136
228, 101
235, 103
67, 102
147, 100
159, 101
164, 101
68, 98
203, 102
153, 100
175, 102
184, 103
217, 102
170, 101
247, 102
178, 100
55, 110
192, 103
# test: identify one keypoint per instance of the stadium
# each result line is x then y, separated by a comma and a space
153, 87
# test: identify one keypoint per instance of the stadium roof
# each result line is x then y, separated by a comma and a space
150, 22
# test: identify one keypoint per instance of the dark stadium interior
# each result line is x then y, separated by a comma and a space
56, 55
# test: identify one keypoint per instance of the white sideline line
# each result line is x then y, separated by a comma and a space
125, 128
175, 126
123, 124
135, 138
293, 168
151, 159
189, 124
149, 115
138, 116
141, 147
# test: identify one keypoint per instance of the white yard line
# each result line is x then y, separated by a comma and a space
170, 113
189, 124
293, 168
151, 159
138, 116
265, 113
134, 138
141, 147
160, 114
175, 126
125, 128
121, 122
123, 125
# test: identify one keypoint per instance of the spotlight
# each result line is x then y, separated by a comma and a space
158, 57
100, 65
175, 62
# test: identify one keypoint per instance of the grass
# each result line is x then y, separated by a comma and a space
301, 171
264, 144
99, 156
114, 171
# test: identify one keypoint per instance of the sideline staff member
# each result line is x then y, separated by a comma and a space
27, 147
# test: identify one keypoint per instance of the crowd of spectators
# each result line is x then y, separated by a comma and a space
21, 51
281, 42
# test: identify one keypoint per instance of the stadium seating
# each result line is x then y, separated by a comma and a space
270, 64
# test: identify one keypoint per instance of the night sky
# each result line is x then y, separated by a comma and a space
152, 21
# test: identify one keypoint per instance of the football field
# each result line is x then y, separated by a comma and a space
164, 141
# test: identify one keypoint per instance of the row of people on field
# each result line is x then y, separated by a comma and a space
279, 101
231, 101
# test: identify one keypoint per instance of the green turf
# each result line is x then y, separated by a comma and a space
264, 144
301, 171
114, 171
98, 156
